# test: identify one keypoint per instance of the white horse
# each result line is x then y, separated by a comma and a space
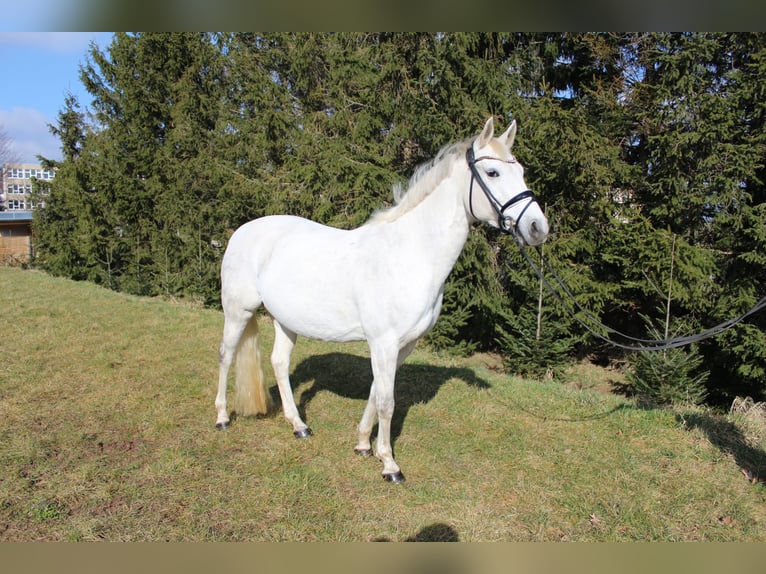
381, 282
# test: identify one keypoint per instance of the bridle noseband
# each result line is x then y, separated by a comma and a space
504, 222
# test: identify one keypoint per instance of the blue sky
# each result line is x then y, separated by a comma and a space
39, 69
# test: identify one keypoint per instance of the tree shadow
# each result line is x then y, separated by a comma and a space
350, 376
437, 532
729, 439
435, 560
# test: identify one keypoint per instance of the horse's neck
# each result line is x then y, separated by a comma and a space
441, 225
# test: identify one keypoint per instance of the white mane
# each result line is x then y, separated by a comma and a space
424, 180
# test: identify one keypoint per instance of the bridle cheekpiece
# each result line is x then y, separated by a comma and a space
505, 223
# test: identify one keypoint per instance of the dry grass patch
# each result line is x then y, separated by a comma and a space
108, 434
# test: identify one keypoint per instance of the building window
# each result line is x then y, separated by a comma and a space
18, 182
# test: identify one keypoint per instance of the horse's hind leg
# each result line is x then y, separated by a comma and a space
234, 326
363, 447
284, 341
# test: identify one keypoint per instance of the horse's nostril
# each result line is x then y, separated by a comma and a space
537, 231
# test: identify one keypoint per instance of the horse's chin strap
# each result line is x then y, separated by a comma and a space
505, 223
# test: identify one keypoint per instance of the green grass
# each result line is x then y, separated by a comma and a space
107, 433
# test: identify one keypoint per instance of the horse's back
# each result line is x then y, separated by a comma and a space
255, 241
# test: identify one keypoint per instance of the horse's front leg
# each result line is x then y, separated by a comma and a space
384, 358
363, 447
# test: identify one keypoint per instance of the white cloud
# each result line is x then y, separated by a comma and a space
29, 133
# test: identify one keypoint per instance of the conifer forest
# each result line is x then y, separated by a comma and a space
646, 150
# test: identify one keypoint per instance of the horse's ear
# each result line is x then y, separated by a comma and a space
487, 133
510, 135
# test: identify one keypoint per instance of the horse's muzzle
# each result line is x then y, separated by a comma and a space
534, 231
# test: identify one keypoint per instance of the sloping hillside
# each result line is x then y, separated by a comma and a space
107, 433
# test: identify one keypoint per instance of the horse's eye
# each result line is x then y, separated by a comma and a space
492, 173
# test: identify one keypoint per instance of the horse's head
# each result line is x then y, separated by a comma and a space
503, 199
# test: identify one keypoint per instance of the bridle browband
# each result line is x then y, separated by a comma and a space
505, 223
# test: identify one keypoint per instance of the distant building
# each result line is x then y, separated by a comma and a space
16, 188
15, 237
16, 206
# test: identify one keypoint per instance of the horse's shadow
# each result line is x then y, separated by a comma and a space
350, 376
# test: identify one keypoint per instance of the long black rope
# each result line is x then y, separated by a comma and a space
508, 226
638, 344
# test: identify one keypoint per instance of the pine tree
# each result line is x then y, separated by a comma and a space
628, 140
57, 246
156, 104
700, 146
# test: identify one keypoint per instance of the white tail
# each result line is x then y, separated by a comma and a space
250, 394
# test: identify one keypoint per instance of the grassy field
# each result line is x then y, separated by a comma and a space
107, 433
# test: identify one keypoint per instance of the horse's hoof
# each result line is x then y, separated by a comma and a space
365, 452
222, 426
395, 477
303, 433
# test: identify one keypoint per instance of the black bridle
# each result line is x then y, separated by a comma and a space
505, 223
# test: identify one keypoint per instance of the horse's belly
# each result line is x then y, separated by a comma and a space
315, 318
